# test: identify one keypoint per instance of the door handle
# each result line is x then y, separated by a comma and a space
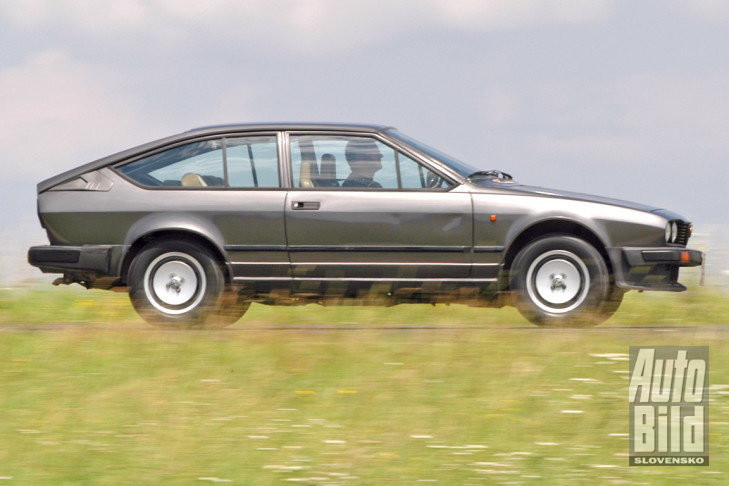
305, 205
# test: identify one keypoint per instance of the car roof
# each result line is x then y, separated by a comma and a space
204, 131
367, 127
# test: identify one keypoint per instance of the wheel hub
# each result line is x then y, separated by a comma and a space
557, 281
174, 283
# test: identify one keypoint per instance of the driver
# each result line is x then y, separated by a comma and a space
364, 159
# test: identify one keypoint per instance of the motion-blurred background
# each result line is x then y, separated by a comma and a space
619, 98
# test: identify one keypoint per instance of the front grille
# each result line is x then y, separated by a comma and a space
684, 231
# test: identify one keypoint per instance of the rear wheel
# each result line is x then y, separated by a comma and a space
562, 281
181, 284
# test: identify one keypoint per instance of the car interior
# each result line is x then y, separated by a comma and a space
323, 175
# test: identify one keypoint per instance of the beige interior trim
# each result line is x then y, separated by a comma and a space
192, 180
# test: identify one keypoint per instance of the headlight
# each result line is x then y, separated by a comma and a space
671, 231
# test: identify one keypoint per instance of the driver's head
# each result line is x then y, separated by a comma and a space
363, 156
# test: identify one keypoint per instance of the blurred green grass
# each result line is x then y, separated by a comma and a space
73, 304
93, 405
130, 404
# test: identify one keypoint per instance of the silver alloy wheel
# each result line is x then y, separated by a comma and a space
174, 283
557, 281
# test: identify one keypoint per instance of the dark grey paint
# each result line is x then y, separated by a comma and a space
341, 234
431, 223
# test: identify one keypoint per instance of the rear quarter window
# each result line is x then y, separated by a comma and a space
197, 164
237, 162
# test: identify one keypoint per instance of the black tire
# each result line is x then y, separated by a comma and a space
233, 307
612, 303
562, 281
180, 284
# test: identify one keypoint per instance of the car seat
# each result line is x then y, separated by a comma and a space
305, 174
327, 171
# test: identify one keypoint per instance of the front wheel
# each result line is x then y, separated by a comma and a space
561, 281
180, 284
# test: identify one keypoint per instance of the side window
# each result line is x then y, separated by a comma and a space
197, 164
352, 162
416, 176
252, 161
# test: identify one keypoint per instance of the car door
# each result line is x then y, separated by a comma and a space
254, 226
359, 209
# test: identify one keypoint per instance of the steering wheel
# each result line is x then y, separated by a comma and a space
433, 181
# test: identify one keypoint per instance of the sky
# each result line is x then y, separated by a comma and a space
628, 99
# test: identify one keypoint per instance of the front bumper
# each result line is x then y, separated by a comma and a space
652, 268
87, 261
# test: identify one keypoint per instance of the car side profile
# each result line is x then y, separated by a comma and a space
199, 225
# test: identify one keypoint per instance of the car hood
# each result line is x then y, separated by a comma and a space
577, 196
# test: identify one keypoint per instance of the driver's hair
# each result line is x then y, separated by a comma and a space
361, 149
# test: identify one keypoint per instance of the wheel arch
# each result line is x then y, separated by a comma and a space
553, 226
174, 234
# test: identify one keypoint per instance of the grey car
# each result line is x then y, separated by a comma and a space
199, 225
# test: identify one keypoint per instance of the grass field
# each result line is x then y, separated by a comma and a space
457, 405
73, 304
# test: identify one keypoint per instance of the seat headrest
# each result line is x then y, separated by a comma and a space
305, 174
192, 180
328, 167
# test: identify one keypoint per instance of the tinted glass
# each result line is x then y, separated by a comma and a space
198, 164
461, 167
252, 161
351, 162
416, 176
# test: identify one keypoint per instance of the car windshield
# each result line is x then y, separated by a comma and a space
461, 167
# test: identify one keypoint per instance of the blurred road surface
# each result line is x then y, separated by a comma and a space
237, 328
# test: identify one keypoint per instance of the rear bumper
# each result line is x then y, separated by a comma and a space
652, 268
90, 261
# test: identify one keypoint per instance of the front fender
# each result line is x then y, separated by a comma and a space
526, 222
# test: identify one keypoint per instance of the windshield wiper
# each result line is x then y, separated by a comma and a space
498, 174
